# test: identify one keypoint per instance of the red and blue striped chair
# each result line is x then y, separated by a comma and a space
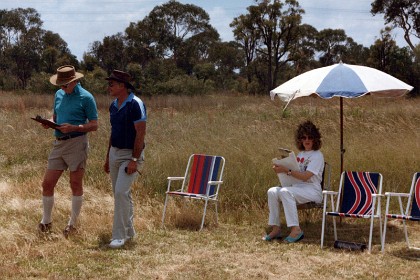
202, 180
412, 210
358, 197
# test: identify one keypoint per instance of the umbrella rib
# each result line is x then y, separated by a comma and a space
287, 104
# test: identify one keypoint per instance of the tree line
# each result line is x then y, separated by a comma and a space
175, 50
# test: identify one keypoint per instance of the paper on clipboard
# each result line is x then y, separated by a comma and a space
46, 122
291, 163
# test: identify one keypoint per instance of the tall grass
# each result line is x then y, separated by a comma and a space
380, 135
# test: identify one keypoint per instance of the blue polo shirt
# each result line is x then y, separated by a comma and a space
123, 132
75, 108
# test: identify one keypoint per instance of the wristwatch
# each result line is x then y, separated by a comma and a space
289, 172
134, 159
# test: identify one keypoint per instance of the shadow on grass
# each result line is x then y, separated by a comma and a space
351, 230
407, 254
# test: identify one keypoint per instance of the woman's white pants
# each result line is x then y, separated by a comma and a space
290, 197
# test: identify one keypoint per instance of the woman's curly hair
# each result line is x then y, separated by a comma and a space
309, 129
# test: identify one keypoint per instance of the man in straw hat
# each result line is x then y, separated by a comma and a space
75, 111
125, 154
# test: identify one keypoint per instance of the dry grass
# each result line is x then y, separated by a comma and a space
380, 135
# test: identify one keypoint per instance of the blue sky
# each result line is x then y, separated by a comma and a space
81, 22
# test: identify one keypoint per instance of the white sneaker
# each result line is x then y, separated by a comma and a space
117, 243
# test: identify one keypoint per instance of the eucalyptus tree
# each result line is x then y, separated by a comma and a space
55, 52
404, 14
304, 50
26, 48
331, 44
110, 53
247, 37
21, 42
167, 27
267, 33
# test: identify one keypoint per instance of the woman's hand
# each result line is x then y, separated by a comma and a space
280, 169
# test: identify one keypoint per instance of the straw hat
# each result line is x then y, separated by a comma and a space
65, 74
121, 77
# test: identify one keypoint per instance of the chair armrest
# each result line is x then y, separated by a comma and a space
330, 192
378, 194
215, 182
397, 194
175, 178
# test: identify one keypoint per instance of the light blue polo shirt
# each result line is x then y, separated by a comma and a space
78, 107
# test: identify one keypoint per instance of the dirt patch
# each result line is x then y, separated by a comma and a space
4, 187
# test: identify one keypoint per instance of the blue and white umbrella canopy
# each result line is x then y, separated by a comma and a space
342, 80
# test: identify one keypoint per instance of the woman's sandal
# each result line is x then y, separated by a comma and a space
268, 238
294, 239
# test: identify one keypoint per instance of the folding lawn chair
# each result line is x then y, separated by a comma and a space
358, 197
412, 210
202, 180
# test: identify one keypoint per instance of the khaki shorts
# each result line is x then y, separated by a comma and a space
71, 154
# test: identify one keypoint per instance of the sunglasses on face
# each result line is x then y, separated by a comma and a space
306, 138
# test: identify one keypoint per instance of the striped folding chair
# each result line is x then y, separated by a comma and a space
412, 210
358, 197
201, 181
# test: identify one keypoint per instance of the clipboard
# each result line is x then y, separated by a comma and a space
46, 122
291, 163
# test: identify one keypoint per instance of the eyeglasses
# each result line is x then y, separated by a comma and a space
306, 138
110, 84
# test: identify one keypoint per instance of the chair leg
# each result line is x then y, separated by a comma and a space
380, 230
204, 214
335, 228
164, 210
323, 222
371, 232
384, 233
406, 234
217, 214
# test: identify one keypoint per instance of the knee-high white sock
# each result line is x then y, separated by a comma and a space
47, 205
76, 206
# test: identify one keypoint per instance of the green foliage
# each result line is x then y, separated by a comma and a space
183, 85
401, 13
95, 82
40, 84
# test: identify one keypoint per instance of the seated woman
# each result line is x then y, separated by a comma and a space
311, 166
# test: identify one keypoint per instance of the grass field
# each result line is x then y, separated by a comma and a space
380, 135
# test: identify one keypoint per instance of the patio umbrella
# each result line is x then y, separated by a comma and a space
344, 81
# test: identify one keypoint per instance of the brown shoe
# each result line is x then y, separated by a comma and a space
44, 227
68, 230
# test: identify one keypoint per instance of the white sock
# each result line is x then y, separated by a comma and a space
47, 205
76, 206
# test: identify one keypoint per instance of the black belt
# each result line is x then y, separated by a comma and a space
67, 137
